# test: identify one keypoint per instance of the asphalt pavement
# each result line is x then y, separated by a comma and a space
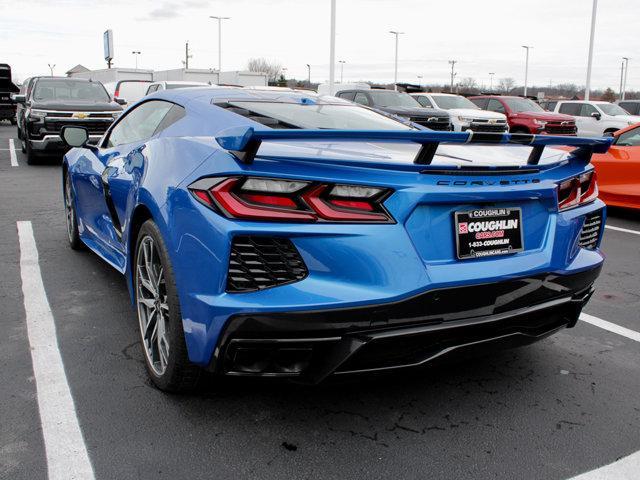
552, 410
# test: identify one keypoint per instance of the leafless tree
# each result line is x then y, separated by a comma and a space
506, 84
262, 65
468, 84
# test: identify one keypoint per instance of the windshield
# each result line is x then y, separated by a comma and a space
73, 90
347, 117
452, 101
611, 109
518, 105
389, 98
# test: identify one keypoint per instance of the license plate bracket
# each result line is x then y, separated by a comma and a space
487, 232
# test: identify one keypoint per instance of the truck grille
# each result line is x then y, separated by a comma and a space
94, 126
488, 127
569, 128
258, 262
434, 123
590, 233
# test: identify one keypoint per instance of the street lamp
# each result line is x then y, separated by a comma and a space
332, 48
135, 54
309, 74
491, 74
626, 71
526, 68
220, 19
341, 62
395, 71
594, 11
453, 74
419, 80
51, 67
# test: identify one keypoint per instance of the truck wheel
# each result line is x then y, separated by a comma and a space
23, 144
32, 157
13, 121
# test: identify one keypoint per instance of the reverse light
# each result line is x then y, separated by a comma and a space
269, 199
578, 190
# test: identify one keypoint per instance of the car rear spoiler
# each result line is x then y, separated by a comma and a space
244, 142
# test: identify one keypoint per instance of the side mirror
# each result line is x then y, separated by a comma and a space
17, 98
120, 101
74, 136
596, 115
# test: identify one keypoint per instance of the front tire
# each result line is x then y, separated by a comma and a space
32, 157
159, 316
70, 212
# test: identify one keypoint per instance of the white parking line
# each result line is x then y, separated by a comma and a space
618, 229
612, 327
66, 453
12, 153
627, 468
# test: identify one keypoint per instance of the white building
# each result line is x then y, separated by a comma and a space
108, 75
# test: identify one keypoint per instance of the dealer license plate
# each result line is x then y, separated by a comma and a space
488, 232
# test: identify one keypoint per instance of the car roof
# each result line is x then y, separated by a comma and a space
180, 82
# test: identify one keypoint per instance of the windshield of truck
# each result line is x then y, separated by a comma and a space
611, 109
518, 105
447, 102
389, 98
73, 90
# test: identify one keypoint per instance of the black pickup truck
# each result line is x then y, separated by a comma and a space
49, 103
7, 88
401, 104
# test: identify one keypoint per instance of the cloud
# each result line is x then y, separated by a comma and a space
170, 10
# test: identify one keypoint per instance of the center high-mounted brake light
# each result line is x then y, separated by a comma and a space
269, 199
578, 190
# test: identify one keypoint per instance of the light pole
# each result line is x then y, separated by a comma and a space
220, 19
491, 74
621, 77
419, 80
395, 71
51, 67
332, 48
594, 11
453, 64
309, 74
341, 62
284, 72
626, 72
135, 54
526, 68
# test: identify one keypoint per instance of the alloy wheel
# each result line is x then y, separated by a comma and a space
153, 308
68, 207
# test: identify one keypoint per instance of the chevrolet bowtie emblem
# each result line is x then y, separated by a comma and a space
80, 115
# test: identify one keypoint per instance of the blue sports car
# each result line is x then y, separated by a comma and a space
284, 234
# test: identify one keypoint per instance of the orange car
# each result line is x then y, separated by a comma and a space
618, 170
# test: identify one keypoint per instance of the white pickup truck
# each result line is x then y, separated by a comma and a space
596, 118
465, 115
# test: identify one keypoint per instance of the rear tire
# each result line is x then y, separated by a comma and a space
159, 316
70, 212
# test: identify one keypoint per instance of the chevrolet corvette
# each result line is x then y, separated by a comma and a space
284, 234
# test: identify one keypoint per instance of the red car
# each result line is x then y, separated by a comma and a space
526, 116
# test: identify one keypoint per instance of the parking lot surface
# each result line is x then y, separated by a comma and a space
552, 410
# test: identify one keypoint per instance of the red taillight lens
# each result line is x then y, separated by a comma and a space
259, 198
577, 191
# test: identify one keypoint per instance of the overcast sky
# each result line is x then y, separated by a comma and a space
483, 36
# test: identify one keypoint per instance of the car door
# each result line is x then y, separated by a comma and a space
619, 169
111, 174
583, 124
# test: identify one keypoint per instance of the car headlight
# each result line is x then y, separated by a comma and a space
36, 115
540, 123
466, 119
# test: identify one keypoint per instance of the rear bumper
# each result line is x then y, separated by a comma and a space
313, 345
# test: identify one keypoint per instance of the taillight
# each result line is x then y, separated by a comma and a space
116, 94
578, 190
256, 198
